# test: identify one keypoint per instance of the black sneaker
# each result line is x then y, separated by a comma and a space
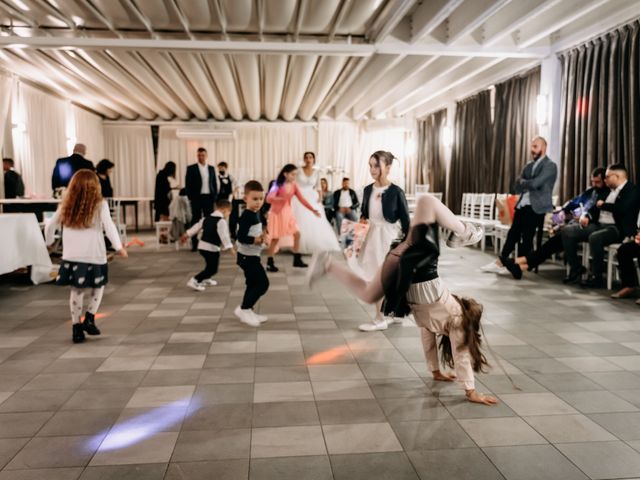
593, 282
78, 334
89, 324
271, 266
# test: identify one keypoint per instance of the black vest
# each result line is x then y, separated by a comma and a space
210, 230
226, 189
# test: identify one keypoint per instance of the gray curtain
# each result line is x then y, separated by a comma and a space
470, 165
600, 107
432, 168
514, 127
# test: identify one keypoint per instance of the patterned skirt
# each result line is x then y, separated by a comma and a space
82, 275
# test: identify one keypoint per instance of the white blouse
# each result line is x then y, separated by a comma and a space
85, 244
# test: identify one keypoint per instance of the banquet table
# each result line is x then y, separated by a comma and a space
22, 244
40, 205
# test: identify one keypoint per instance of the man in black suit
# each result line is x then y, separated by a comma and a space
13, 184
66, 167
618, 220
345, 204
202, 190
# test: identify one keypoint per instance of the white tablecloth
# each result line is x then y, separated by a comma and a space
22, 244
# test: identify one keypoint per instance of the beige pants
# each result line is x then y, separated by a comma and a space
444, 317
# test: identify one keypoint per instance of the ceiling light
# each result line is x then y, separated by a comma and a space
23, 31
77, 20
18, 45
199, 134
21, 5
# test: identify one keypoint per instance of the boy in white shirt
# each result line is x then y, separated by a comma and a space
215, 237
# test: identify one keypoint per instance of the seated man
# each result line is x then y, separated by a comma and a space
345, 203
628, 275
571, 213
616, 220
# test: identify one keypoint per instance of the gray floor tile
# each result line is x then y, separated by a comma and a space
213, 417
625, 426
154, 471
291, 468
496, 432
69, 473
597, 402
458, 463
118, 449
280, 414
569, 428
9, 447
603, 460
24, 424
214, 394
533, 462
373, 466
65, 423
350, 411
287, 441
432, 435
218, 469
49, 452
193, 446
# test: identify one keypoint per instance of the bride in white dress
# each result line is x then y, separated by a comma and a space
316, 233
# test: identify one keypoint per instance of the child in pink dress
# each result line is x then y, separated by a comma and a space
281, 222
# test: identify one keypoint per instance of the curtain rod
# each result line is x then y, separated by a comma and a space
595, 37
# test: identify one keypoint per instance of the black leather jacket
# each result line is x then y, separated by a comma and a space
394, 206
414, 260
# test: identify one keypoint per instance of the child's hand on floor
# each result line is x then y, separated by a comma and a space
438, 376
476, 397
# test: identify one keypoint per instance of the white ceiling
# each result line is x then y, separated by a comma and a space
286, 59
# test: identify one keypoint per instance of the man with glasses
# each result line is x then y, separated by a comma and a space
608, 221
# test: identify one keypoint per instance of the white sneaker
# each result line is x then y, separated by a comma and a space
317, 267
260, 318
493, 267
472, 235
392, 320
209, 282
374, 326
246, 316
193, 283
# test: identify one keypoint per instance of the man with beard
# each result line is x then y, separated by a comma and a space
535, 186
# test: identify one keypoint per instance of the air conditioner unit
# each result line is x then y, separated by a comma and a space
201, 134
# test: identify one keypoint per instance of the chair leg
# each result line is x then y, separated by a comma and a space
610, 270
157, 238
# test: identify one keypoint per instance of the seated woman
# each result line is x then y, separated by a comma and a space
409, 281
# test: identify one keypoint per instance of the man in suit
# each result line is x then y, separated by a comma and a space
202, 190
345, 204
66, 167
535, 186
610, 221
13, 184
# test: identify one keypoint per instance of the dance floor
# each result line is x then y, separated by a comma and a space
177, 388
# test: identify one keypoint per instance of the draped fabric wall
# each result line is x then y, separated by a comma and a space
44, 139
6, 87
88, 130
471, 148
431, 164
131, 149
258, 151
601, 107
514, 126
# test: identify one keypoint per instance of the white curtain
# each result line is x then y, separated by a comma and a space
6, 87
131, 149
257, 152
87, 128
40, 139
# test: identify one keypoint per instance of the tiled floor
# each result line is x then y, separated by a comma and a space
176, 388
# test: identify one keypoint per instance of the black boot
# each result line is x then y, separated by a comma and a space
594, 281
89, 324
574, 275
78, 334
297, 261
271, 266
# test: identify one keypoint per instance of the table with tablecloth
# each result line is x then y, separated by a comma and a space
22, 245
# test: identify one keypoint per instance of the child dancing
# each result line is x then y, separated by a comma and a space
83, 215
409, 281
282, 222
251, 241
215, 237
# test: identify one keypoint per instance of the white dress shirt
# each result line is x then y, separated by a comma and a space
223, 233
606, 218
204, 174
345, 199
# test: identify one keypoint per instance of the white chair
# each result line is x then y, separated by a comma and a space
115, 207
163, 227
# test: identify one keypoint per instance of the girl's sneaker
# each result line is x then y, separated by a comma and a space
209, 282
246, 316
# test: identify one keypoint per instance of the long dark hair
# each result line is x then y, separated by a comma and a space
288, 168
383, 157
471, 315
170, 169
